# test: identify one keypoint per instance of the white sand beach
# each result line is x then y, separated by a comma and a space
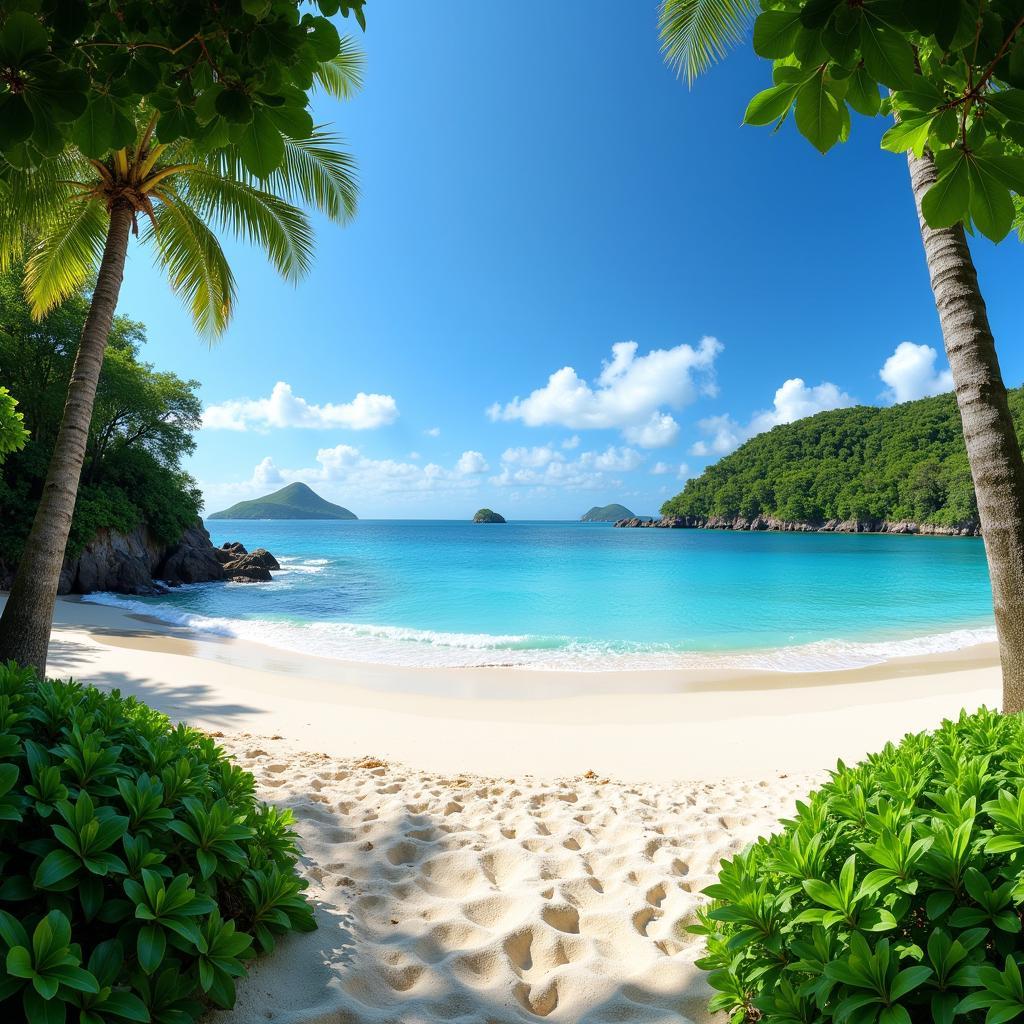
499, 845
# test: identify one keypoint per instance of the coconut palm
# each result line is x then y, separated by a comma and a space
73, 217
695, 34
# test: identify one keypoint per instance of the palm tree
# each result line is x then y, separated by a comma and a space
696, 33
78, 212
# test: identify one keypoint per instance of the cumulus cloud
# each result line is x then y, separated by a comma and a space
433, 431
793, 401
283, 408
545, 466
471, 463
352, 472
630, 394
571, 442
910, 373
681, 470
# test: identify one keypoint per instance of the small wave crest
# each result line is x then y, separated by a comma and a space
420, 648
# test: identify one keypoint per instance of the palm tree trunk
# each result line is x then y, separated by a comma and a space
992, 446
28, 615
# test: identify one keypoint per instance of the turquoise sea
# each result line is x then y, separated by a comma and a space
586, 596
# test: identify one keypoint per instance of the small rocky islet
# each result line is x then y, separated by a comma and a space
486, 515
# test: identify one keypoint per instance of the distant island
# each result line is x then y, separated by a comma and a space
296, 501
486, 515
607, 514
898, 469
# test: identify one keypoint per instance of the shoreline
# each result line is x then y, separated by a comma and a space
658, 724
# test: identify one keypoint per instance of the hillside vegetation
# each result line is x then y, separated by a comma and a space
142, 428
296, 501
905, 462
606, 514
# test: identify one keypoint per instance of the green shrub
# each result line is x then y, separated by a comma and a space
137, 870
894, 894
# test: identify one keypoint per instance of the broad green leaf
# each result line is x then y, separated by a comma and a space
1008, 102
234, 106
817, 115
775, 33
22, 36
888, 57
56, 866
93, 132
770, 105
862, 93
991, 210
912, 134
261, 147
946, 202
16, 125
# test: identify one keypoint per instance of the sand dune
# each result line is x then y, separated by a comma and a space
492, 900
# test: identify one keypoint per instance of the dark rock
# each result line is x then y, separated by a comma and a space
192, 560
244, 571
969, 529
234, 547
261, 556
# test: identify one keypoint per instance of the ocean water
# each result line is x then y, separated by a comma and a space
590, 597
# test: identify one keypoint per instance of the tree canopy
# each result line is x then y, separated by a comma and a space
952, 72
142, 428
75, 72
904, 462
12, 425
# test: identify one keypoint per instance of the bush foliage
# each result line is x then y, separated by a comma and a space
893, 895
138, 870
903, 462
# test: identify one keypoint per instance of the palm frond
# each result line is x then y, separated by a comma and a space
194, 262
33, 198
253, 214
697, 33
342, 76
67, 249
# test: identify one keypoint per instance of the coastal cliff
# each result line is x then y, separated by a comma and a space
770, 523
134, 563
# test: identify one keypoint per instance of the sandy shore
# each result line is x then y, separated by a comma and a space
494, 845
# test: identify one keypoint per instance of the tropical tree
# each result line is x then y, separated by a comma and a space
951, 71
240, 157
12, 425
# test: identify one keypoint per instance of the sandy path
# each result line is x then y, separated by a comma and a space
491, 900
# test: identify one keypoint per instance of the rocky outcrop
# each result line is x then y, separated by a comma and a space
757, 523
486, 515
133, 563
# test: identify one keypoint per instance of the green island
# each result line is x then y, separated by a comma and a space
606, 514
296, 501
486, 515
901, 463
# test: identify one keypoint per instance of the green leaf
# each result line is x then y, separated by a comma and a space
862, 93
43, 1011
991, 208
910, 134
16, 125
56, 866
770, 105
126, 1006
887, 56
234, 106
947, 201
22, 36
261, 147
1008, 102
151, 946
817, 115
19, 962
93, 132
775, 33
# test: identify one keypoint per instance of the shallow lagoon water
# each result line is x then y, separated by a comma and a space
586, 596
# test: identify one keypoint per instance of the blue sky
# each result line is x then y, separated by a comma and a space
535, 191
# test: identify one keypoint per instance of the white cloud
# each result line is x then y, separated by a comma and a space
283, 408
910, 373
433, 431
571, 442
630, 393
470, 463
681, 470
544, 466
351, 472
793, 401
